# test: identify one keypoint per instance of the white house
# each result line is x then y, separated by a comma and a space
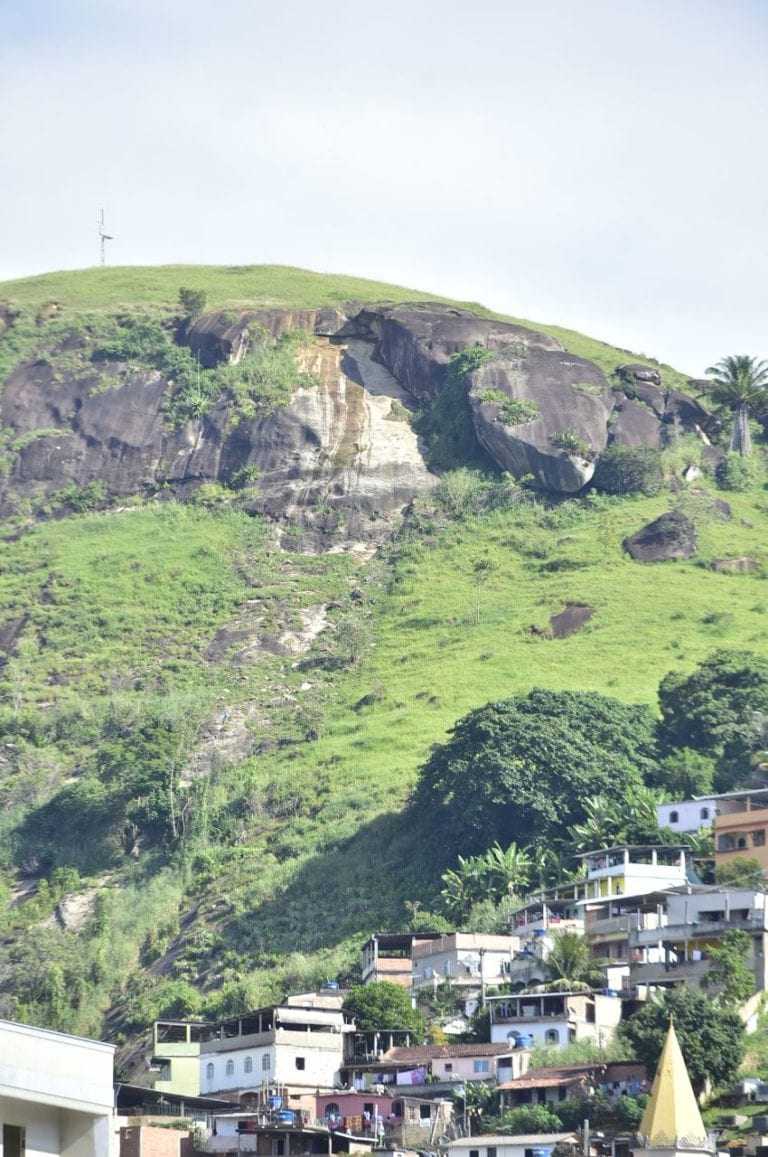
687, 815
56, 1094
523, 1145
289, 1049
553, 1018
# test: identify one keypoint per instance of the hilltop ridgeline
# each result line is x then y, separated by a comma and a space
336, 455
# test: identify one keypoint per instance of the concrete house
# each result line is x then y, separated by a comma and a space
468, 961
389, 956
553, 1018
289, 1050
437, 1067
692, 921
56, 1094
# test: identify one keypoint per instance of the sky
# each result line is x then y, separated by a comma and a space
596, 164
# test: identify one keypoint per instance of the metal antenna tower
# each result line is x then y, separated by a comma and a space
103, 237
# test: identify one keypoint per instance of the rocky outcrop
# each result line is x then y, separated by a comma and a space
543, 414
415, 342
743, 565
671, 536
340, 460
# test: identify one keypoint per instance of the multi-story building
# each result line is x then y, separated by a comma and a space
692, 921
468, 961
174, 1064
634, 870
550, 1086
285, 1050
389, 956
741, 824
56, 1094
553, 1018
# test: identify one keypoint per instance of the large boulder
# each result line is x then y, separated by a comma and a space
671, 536
542, 414
415, 341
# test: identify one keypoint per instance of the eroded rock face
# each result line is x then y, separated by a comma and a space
340, 461
571, 401
415, 342
671, 536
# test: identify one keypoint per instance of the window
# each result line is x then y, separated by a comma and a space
448, 1067
300, 1063
248, 1065
230, 1069
704, 813
474, 1153
758, 839
209, 1072
674, 817
425, 1112
491, 1151
397, 1108
14, 1141
481, 1066
368, 1108
332, 1109
265, 1062
552, 1036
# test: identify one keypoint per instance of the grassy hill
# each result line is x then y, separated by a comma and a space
148, 624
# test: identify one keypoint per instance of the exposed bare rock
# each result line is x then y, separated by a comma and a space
743, 565
571, 401
570, 620
221, 337
637, 372
671, 536
415, 341
635, 425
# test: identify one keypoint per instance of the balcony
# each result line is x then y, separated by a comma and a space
690, 971
699, 930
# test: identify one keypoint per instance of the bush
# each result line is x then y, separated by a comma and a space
529, 1119
734, 473
570, 442
192, 301
517, 412
629, 470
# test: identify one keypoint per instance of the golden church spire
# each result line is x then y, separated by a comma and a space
672, 1120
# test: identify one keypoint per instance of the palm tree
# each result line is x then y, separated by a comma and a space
741, 384
570, 964
464, 886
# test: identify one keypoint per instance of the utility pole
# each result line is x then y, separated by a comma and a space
103, 237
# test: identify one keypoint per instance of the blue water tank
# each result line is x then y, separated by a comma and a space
609, 992
330, 986
540, 1151
284, 1117
539, 932
275, 1102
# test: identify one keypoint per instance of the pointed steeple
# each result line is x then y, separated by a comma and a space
672, 1120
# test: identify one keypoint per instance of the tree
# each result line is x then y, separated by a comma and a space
711, 1038
492, 878
570, 964
729, 978
629, 469
383, 1005
741, 384
521, 769
741, 871
718, 710
192, 301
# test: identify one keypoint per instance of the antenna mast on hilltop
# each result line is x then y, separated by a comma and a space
103, 237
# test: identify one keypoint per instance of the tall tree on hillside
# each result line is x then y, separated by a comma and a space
740, 383
521, 769
718, 710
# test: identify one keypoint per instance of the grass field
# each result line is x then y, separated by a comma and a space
261, 286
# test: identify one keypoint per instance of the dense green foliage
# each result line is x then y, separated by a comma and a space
719, 710
711, 1038
383, 1005
522, 768
729, 979
629, 470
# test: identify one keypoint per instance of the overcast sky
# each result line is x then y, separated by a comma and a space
600, 164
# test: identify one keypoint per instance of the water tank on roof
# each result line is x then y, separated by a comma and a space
284, 1117
275, 1102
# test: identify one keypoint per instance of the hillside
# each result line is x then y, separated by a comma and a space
214, 711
